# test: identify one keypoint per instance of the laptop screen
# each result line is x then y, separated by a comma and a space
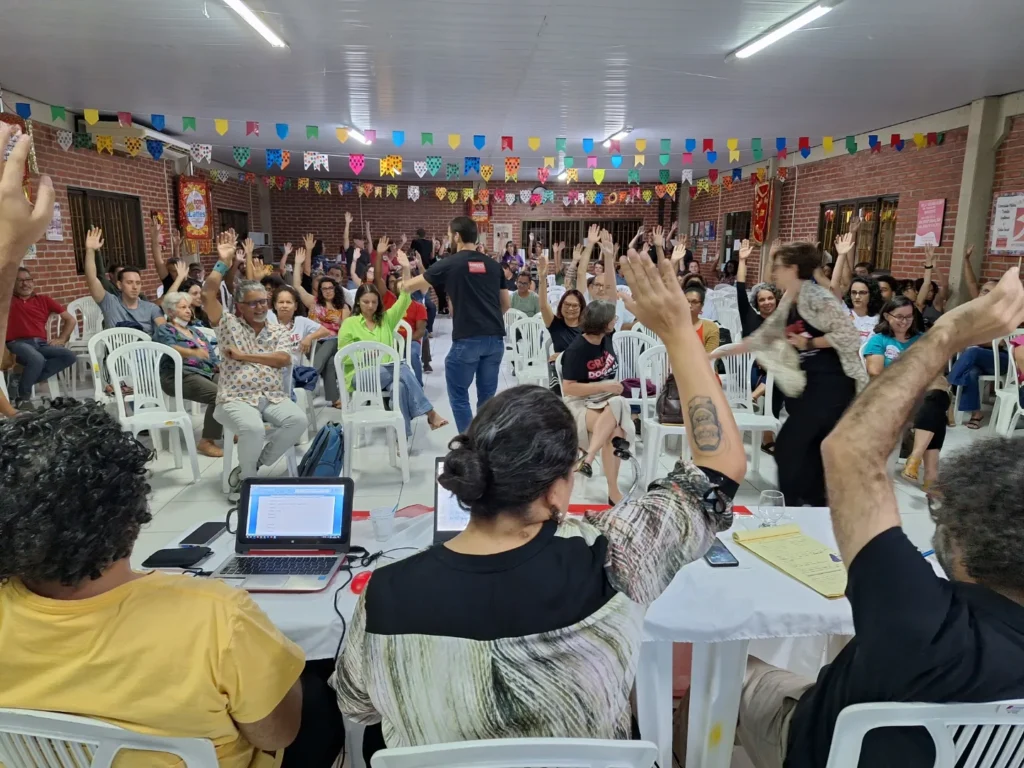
450, 517
295, 511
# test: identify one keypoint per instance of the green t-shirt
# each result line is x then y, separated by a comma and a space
528, 305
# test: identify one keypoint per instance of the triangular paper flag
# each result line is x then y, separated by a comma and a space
690, 145
633, 177
342, 134
549, 162
548, 196
592, 162
252, 128
84, 141
392, 191
524, 195
479, 141
105, 144
688, 175
826, 144
614, 147
451, 171
124, 119
713, 175
426, 139
647, 195
483, 195
542, 175
506, 143
598, 175
511, 169
687, 158
663, 176
671, 189
454, 139
312, 131
510, 197
641, 145
200, 152
712, 157
286, 158
420, 167
159, 122
616, 161
569, 161
398, 138
92, 116
308, 159
572, 174
467, 193
64, 139
413, 193
533, 143
734, 155
188, 123
560, 144
663, 159
441, 193
282, 130
851, 144
755, 148
666, 144
221, 125
434, 164
591, 194
920, 141
638, 160
303, 183
737, 174
357, 163
155, 147
565, 200
588, 146
241, 155
732, 144
659, 190
471, 164
874, 144
486, 171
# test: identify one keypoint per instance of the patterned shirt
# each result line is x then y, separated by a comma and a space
172, 335
248, 382
538, 641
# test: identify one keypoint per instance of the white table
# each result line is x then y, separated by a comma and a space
720, 610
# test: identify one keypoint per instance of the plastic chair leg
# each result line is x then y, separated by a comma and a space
229, 449
175, 443
190, 445
346, 470
404, 448
755, 451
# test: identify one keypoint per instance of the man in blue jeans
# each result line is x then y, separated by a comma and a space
973, 363
26, 336
475, 284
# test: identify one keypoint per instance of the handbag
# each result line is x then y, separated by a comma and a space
668, 408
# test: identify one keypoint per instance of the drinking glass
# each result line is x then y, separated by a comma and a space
770, 508
383, 519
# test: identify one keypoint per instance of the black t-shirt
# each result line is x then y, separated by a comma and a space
562, 335
168, 281
919, 638
823, 362
425, 248
474, 282
586, 363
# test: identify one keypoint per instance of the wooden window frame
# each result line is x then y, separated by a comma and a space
867, 247
124, 241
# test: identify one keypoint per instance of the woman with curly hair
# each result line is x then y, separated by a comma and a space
82, 632
864, 301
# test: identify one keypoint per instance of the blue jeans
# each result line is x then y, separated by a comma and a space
972, 363
479, 357
413, 402
40, 361
416, 353
425, 300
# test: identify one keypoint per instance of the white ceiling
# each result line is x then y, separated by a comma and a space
547, 68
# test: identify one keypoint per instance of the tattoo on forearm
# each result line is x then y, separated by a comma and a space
707, 429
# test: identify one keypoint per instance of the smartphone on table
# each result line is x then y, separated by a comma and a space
719, 556
203, 535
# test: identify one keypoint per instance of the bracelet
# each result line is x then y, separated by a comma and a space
929, 266
221, 268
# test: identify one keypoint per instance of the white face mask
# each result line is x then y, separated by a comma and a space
179, 321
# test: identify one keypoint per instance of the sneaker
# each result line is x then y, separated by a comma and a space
24, 405
235, 479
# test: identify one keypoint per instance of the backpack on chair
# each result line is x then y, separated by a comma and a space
326, 454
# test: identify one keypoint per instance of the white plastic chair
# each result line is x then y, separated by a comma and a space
531, 362
139, 362
628, 346
641, 328
987, 735
291, 460
101, 345
555, 294
1006, 411
521, 753
404, 347
982, 380
225, 298
654, 366
364, 406
736, 384
34, 739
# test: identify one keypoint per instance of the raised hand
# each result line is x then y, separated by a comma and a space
845, 244
175, 238
404, 240
659, 237
745, 250
94, 239
640, 232
675, 226
998, 313
257, 266
542, 266
606, 241
593, 234
656, 300
382, 245
248, 246
300, 257
929, 254
577, 252
226, 246
855, 225
558, 247
180, 270
348, 217
684, 240
286, 249
309, 241
403, 260
679, 253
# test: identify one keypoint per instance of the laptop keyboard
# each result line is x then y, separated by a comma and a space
277, 566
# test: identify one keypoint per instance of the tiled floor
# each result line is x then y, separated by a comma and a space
177, 504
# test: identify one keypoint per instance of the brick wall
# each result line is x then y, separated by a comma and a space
715, 208
152, 181
913, 174
1009, 179
296, 212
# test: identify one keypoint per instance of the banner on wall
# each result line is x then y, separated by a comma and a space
930, 215
1008, 225
195, 214
762, 212
55, 231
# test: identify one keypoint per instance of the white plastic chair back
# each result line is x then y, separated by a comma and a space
512, 316
102, 344
654, 367
521, 753
984, 735
138, 365
558, 372
555, 294
225, 298
736, 382
207, 333
31, 739
3, 386
92, 320
401, 344
729, 317
368, 357
528, 335
641, 328
628, 346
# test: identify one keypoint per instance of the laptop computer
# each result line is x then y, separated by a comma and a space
449, 518
293, 533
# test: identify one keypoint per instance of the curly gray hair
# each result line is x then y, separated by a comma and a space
979, 512
170, 301
247, 286
764, 287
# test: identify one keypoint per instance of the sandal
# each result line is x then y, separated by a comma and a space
910, 471
973, 423
584, 468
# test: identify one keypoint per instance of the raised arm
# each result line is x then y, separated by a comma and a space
659, 243
593, 235
860, 491
929, 265
158, 255
658, 303
369, 237
556, 250
608, 253
307, 298
180, 275
282, 265
250, 267
942, 295
572, 271
345, 241
841, 269
636, 238
542, 293
970, 278
93, 242
211, 288
378, 266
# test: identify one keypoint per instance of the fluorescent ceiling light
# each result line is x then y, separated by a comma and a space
359, 136
779, 31
616, 136
255, 22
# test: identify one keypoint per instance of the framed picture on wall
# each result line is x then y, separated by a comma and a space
502, 234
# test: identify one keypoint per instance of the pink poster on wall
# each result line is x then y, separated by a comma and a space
930, 214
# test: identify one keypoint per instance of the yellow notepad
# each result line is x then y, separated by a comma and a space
799, 556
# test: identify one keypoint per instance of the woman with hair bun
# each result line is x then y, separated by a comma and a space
528, 623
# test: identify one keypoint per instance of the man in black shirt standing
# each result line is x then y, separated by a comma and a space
475, 283
920, 638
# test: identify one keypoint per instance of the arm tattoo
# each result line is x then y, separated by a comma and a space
707, 430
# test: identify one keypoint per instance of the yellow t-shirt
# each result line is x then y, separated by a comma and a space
164, 654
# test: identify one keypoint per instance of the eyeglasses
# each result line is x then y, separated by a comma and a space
257, 304
901, 318
860, 293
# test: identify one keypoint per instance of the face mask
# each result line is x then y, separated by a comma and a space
179, 321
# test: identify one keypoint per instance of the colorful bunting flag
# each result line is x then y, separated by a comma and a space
920, 141
471, 164
92, 116
851, 144
398, 138
426, 139
598, 175
467, 193
241, 155
451, 171
454, 140
647, 195
155, 147
613, 146
733, 146
392, 191
633, 176
273, 157
712, 157
221, 125
804, 145
713, 175
506, 143
105, 144
486, 171
687, 158
479, 141
780, 147
592, 162
640, 144
616, 161
826, 144
664, 158
560, 144
57, 113
64, 139
666, 145
549, 162
378, 191
933, 138
201, 152
453, 196
188, 124
737, 174
420, 167
356, 163
571, 175
755, 149
874, 144
688, 175
533, 143
413, 193
304, 183
252, 128
282, 130
638, 160
569, 161
84, 141
159, 122
663, 176
896, 142
671, 189
727, 183
511, 169
588, 146
124, 119
542, 175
